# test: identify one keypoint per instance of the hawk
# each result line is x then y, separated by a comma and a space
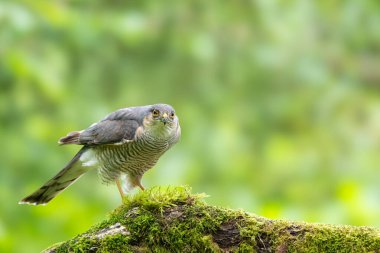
122, 146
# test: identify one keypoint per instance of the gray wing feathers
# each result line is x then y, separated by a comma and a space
70, 138
125, 114
118, 126
108, 132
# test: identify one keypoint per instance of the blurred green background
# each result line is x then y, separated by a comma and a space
279, 103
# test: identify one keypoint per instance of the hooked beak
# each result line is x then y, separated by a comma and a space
165, 118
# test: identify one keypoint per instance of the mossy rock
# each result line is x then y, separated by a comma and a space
171, 219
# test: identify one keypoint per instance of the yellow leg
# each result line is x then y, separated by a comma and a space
137, 182
140, 185
120, 188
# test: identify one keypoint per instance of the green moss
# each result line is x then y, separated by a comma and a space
171, 219
117, 243
245, 248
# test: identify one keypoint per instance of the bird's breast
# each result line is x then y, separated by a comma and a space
132, 157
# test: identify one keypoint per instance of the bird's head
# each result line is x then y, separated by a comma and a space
161, 118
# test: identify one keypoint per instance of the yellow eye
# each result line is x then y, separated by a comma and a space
155, 113
172, 115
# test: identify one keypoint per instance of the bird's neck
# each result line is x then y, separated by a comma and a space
160, 132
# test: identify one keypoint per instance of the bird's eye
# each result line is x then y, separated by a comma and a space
155, 113
172, 115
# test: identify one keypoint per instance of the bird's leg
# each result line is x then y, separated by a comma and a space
120, 188
137, 182
140, 185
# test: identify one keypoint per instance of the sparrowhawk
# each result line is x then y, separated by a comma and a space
124, 145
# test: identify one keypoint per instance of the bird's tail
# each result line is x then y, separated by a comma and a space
71, 172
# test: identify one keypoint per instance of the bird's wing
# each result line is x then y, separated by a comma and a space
118, 127
109, 132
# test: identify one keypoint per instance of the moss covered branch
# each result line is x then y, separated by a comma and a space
174, 220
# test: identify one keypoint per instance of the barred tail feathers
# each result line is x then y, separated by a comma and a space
68, 175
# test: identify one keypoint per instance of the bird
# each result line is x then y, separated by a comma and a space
122, 146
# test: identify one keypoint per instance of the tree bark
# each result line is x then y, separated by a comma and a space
174, 220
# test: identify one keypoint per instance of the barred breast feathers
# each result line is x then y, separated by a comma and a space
134, 157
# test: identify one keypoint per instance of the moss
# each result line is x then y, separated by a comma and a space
117, 243
245, 248
171, 219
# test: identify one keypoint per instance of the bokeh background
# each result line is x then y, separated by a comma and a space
279, 103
